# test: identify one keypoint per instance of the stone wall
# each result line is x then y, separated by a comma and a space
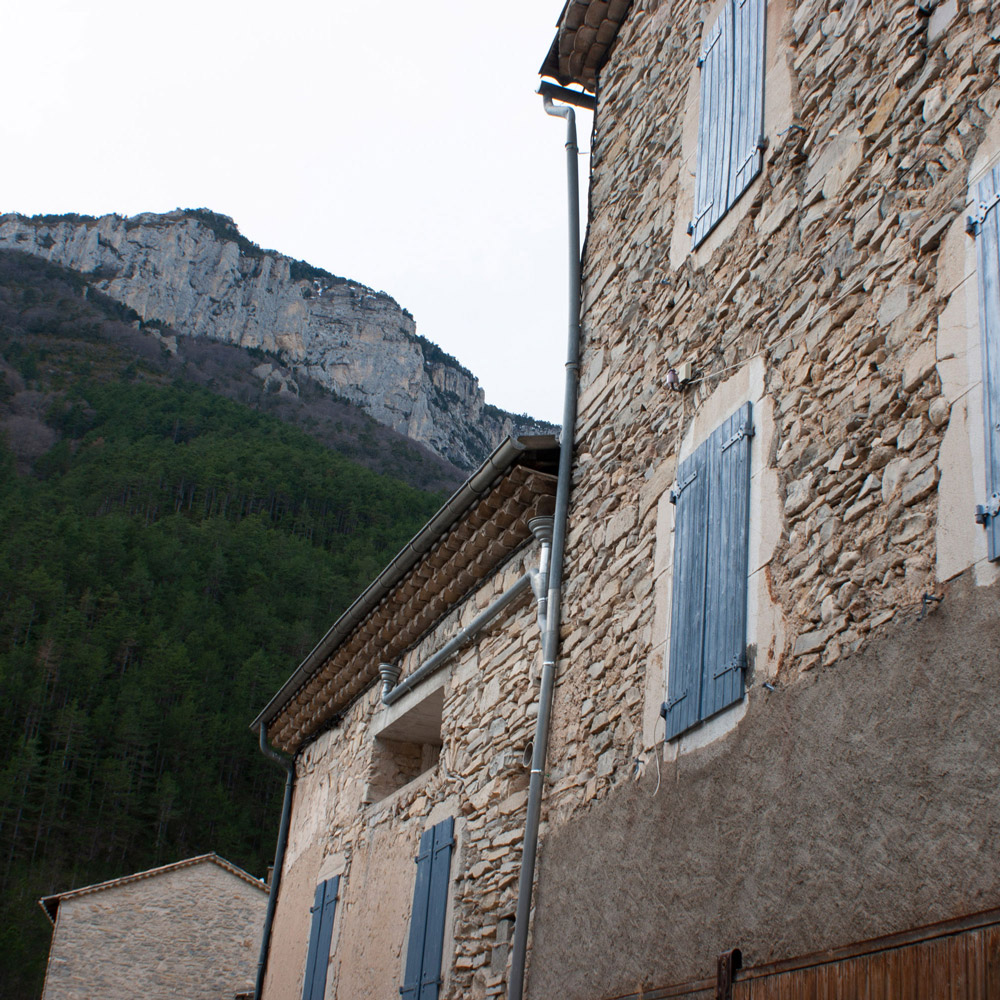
343, 822
831, 280
841, 290
191, 933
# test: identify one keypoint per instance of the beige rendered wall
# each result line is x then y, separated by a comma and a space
336, 828
188, 934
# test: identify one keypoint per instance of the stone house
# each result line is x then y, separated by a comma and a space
186, 931
771, 766
427, 768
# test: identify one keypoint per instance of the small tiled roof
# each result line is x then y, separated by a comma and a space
587, 30
50, 904
476, 531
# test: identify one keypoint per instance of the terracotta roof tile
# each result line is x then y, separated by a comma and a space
485, 536
586, 31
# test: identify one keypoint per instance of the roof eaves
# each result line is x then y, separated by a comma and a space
586, 30
504, 456
50, 904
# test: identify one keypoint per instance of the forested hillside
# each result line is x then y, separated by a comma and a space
167, 556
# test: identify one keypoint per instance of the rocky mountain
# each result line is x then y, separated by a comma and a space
193, 270
59, 335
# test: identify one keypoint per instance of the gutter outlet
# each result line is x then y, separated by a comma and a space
389, 672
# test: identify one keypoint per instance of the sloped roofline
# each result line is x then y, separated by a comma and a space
50, 904
586, 30
503, 458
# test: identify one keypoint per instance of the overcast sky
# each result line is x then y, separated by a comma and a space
397, 143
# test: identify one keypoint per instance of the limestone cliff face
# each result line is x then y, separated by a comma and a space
194, 271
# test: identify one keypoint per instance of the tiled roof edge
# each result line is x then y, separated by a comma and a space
503, 458
50, 904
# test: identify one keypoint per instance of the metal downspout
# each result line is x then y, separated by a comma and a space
550, 637
279, 856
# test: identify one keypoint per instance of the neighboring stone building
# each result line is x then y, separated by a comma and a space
186, 931
773, 724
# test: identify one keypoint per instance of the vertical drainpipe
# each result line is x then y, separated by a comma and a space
279, 856
550, 635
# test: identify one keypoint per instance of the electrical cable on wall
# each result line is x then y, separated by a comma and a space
722, 371
656, 756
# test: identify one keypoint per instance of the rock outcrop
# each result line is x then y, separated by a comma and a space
193, 270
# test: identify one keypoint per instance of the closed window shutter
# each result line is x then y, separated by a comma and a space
320, 935
418, 918
748, 98
437, 907
421, 978
988, 247
726, 576
714, 127
687, 621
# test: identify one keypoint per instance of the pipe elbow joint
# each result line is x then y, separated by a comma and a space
389, 672
557, 110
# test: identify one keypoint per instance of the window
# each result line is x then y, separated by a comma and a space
320, 934
731, 119
422, 978
986, 224
709, 612
407, 744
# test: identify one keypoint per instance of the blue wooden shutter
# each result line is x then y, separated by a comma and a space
320, 934
687, 619
988, 247
422, 976
715, 119
748, 96
724, 656
437, 906
418, 918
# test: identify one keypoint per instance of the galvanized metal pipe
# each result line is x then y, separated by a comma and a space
453, 645
541, 528
550, 636
279, 856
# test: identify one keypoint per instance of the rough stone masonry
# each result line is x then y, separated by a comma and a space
840, 294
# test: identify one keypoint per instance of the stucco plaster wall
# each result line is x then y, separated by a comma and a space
374, 914
290, 929
860, 800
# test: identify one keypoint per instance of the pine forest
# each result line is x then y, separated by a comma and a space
167, 557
